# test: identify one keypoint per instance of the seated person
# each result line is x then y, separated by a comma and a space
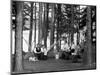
74, 53
38, 52
66, 51
81, 52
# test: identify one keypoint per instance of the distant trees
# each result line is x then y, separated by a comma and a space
66, 21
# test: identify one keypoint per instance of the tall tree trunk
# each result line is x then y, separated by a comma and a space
46, 10
72, 22
31, 28
40, 24
87, 53
52, 27
35, 28
72, 34
43, 22
72, 15
51, 52
18, 38
56, 35
78, 33
58, 23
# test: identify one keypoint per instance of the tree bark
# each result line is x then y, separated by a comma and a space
87, 55
72, 22
35, 28
89, 51
40, 24
18, 38
31, 28
52, 27
45, 23
58, 23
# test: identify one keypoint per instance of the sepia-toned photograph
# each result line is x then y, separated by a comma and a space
52, 37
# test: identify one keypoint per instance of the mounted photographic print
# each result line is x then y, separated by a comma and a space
52, 37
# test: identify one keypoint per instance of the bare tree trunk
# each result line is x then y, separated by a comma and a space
89, 51
72, 22
35, 28
87, 59
58, 23
40, 24
78, 33
18, 38
52, 27
51, 52
31, 28
56, 50
45, 23
72, 34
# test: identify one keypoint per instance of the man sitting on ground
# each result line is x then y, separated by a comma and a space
38, 52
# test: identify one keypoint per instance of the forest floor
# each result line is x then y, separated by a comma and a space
53, 65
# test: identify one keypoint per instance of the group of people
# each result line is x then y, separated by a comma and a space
73, 52
68, 52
